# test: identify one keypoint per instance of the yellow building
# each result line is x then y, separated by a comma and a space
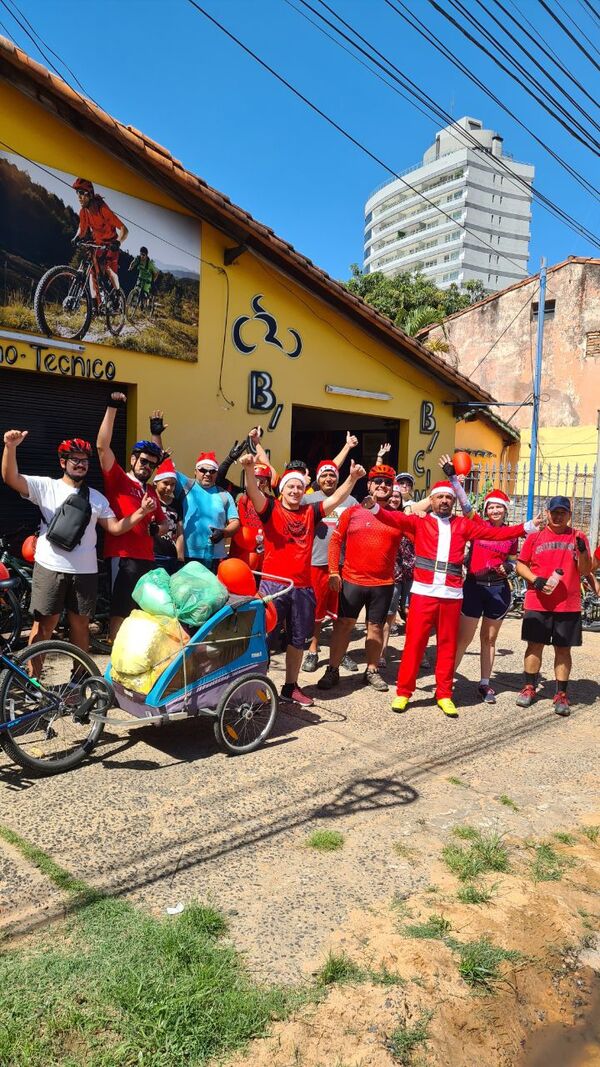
244, 329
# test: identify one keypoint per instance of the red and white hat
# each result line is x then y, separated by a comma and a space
166, 469
442, 487
208, 460
289, 476
496, 496
327, 466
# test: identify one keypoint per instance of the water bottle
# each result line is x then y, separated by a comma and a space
554, 579
260, 540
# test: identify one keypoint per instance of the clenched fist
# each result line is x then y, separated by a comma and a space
14, 438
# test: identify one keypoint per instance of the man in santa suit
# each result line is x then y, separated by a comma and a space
436, 594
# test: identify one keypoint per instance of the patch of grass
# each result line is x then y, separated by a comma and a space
406, 1039
548, 866
508, 803
592, 833
466, 833
471, 893
400, 906
339, 969
59, 877
457, 781
325, 840
480, 962
487, 852
385, 977
565, 838
436, 927
405, 851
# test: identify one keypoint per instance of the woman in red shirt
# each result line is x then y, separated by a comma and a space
486, 592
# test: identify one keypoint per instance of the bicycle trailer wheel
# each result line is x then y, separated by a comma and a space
246, 714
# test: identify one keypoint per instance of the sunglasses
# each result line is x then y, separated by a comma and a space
205, 470
147, 463
382, 481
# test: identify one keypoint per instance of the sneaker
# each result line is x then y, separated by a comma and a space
310, 662
487, 694
348, 664
330, 679
526, 697
400, 703
448, 707
292, 694
561, 704
374, 679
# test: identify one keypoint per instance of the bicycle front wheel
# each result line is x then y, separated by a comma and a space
116, 312
59, 737
134, 305
11, 620
63, 303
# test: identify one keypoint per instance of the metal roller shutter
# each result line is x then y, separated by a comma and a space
51, 408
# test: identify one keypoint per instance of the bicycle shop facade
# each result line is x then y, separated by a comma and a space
242, 329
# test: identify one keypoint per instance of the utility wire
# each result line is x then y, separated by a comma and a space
547, 51
348, 136
47, 47
505, 331
567, 31
435, 41
539, 66
593, 13
482, 48
573, 23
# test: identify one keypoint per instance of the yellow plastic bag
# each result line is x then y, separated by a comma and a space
143, 648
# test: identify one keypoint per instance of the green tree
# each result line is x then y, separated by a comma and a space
411, 300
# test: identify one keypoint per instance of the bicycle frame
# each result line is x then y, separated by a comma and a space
28, 683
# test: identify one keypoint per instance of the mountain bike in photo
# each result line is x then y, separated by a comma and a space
140, 305
518, 588
64, 304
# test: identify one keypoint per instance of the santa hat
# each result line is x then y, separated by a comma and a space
442, 487
496, 496
290, 476
327, 466
208, 460
166, 469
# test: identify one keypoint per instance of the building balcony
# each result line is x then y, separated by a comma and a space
378, 216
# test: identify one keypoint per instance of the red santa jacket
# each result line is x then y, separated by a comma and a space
440, 547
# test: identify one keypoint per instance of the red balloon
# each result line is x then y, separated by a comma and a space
237, 577
462, 462
28, 548
270, 616
245, 537
4, 573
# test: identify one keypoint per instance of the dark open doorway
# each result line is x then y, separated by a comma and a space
318, 433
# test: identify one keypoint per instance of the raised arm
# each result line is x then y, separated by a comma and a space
397, 519
117, 527
342, 456
448, 468
257, 497
330, 503
157, 426
103, 441
10, 467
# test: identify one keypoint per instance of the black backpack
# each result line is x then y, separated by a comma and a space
70, 521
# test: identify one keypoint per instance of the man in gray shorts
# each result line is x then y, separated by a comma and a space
61, 578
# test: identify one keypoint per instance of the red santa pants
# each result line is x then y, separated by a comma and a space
426, 613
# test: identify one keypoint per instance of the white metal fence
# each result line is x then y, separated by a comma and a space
552, 479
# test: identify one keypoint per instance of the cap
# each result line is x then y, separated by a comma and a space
208, 460
442, 487
559, 502
327, 466
165, 470
496, 496
405, 475
381, 470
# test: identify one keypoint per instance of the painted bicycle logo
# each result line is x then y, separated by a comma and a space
271, 338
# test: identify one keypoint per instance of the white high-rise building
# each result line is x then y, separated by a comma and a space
474, 184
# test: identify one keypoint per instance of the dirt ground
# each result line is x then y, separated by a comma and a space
162, 816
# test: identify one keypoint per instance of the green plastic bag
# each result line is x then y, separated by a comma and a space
197, 594
153, 594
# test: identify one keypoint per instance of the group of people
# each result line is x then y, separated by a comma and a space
387, 556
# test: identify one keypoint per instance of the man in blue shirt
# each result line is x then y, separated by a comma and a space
209, 513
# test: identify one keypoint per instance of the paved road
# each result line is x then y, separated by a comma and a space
161, 815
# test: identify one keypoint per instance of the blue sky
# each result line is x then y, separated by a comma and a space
160, 66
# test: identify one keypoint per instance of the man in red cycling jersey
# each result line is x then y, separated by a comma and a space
97, 219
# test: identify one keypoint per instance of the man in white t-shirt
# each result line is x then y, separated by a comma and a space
65, 579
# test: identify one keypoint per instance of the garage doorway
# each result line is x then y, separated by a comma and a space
319, 433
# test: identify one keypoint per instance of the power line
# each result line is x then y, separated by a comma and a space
505, 330
482, 48
567, 31
436, 43
593, 14
572, 21
47, 46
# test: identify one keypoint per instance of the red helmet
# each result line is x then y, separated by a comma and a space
74, 444
381, 470
262, 471
82, 185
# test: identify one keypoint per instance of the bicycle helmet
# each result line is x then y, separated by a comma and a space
149, 447
381, 470
74, 444
82, 185
296, 465
143, 251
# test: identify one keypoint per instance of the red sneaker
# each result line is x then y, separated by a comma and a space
561, 704
526, 697
292, 694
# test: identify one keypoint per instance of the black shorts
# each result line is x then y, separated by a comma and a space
490, 600
125, 574
53, 591
560, 628
376, 599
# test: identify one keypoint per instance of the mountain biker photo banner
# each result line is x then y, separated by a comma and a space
80, 261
